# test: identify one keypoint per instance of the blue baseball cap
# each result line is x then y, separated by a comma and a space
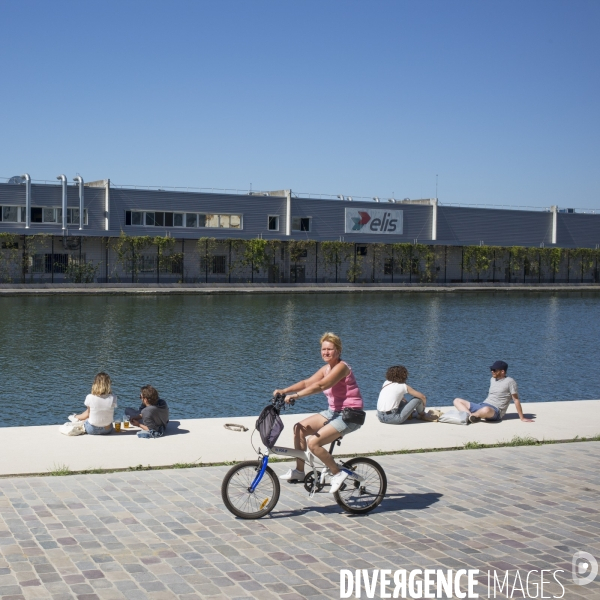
499, 365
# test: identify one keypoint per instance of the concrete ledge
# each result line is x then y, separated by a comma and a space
49, 289
43, 449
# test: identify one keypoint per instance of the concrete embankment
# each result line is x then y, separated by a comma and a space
42, 449
74, 289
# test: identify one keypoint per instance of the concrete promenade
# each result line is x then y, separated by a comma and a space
51, 289
39, 450
165, 535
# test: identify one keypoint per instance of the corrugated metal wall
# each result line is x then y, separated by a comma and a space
578, 230
329, 221
51, 195
255, 211
456, 225
493, 227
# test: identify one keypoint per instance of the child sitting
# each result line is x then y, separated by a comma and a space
154, 414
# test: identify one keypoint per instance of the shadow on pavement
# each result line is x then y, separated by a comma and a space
391, 502
513, 416
174, 429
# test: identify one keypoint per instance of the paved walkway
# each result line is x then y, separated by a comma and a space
50, 289
43, 449
165, 534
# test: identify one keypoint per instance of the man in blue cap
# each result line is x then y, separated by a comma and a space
503, 389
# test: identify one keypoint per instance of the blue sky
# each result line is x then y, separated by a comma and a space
500, 100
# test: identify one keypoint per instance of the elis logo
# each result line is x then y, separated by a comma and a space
373, 221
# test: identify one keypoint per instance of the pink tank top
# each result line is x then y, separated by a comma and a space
344, 393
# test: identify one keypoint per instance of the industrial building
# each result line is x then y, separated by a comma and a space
90, 224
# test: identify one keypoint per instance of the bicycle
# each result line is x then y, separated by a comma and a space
251, 489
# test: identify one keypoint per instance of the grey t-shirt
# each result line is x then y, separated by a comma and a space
500, 393
155, 416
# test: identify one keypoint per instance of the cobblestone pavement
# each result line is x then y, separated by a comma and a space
166, 534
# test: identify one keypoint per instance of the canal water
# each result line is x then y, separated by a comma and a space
217, 356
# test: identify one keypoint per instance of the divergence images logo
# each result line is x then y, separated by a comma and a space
585, 568
361, 221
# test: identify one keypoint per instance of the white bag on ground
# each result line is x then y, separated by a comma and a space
72, 428
455, 417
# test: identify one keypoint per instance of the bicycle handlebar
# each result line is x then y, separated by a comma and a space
279, 402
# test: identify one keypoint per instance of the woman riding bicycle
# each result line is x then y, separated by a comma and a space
337, 382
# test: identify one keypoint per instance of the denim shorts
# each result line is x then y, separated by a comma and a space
152, 433
473, 407
334, 418
93, 430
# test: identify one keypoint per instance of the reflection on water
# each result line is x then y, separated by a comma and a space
223, 355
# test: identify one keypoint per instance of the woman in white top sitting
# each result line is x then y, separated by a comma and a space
101, 404
392, 407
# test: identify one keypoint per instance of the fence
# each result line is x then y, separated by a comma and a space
43, 258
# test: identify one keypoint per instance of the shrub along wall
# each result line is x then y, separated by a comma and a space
46, 258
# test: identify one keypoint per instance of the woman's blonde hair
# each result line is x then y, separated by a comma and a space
101, 385
334, 339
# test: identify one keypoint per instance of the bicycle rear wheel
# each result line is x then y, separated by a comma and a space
236, 494
359, 497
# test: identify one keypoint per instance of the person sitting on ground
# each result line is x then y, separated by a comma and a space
392, 406
336, 380
101, 404
154, 415
494, 407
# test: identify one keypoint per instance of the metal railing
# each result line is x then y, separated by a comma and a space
317, 196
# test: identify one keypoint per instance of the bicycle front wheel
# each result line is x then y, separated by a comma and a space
359, 497
236, 494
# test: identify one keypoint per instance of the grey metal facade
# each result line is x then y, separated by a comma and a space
456, 226
328, 221
493, 227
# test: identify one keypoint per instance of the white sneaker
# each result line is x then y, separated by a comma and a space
337, 480
293, 475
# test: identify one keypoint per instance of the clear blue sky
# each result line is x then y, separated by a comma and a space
500, 99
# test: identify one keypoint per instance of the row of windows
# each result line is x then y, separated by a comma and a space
16, 214
173, 219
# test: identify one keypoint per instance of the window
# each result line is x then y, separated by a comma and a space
147, 263
10, 214
169, 219
219, 264
42, 263
10, 245
301, 223
49, 215
388, 265
361, 250
44, 215
73, 216
273, 223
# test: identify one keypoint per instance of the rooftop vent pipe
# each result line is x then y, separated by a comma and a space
63, 179
27, 179
79, 179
